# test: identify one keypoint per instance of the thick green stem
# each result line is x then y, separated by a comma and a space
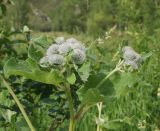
71, 125
18, 103
71, 109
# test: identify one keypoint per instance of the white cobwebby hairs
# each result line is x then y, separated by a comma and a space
56, 52
131, 57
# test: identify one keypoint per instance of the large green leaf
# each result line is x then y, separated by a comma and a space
41, 41
125, 82
71, 78
35, 52
31, 70
21, 125
84, 71
90, 94
38, 48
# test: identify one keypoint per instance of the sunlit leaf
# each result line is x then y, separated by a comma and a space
35, 52
42, 41
8, 115
84, 71
125, 83
71, 78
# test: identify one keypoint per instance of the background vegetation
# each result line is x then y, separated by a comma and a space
137, 24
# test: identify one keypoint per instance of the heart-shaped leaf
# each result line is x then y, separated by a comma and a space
41, 41
124, 83
84, 71
91, 94
71, 78
35, 52
31, 70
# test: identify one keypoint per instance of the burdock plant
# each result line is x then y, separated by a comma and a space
54, 64
66, 64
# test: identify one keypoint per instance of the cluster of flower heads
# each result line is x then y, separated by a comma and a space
56, 53
131, 57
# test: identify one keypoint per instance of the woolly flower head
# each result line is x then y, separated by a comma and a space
55, 59
72, 40
64, 48
44, 62
53, 49
59, 40
78, 46
75, 44
56, 53
78, 56
131, 57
